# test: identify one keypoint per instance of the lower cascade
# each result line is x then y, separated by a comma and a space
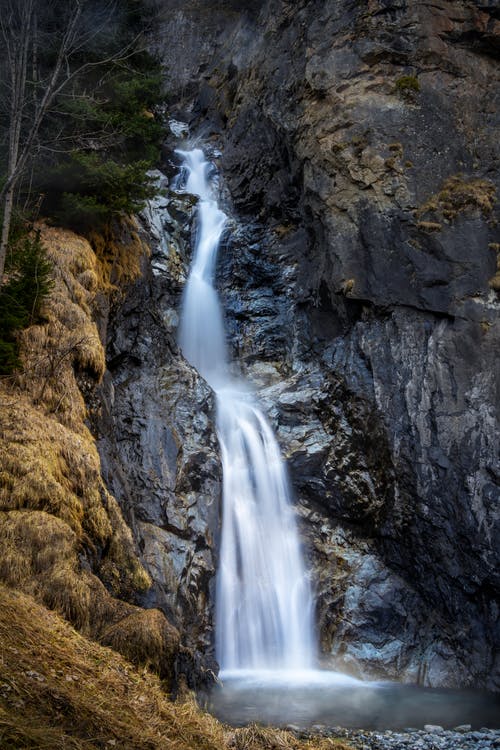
264, 625
264, 601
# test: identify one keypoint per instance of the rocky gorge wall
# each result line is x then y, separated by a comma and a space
156, 438
357, 143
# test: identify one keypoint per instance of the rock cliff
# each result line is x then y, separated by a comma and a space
360, 278
156, 436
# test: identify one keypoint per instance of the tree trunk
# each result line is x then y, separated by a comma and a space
17, 53
18, 44
7, 216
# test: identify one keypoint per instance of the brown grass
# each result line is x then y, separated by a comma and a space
495, 280
60, 691
459, 194
120, 569
68, 342
146, 638
55, 511
255, 737
429, 226
119, 249
65, 691
48, 466
39, 555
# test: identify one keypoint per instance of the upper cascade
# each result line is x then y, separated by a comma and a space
202, 336
264, 601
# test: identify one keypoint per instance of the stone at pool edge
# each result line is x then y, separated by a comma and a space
462, 728
419, 739
433, 728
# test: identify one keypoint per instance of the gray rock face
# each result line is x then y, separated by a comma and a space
388, 424
358, 144
156, 436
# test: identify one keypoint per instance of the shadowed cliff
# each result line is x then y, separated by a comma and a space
358, 145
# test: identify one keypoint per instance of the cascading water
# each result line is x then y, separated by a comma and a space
264, 603
264, 625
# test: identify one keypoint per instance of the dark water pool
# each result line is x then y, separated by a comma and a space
335, 700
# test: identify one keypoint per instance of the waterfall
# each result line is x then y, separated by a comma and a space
264, 603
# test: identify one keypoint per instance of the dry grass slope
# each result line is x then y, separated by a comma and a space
68, 342
119, 249
63, 539
60, 691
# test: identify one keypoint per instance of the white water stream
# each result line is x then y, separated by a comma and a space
265, 642
264, 602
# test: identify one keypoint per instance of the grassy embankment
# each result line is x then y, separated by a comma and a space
60, 690
68, 568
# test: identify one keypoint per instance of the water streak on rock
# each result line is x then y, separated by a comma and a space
264, 603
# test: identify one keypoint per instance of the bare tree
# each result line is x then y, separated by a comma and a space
20, 29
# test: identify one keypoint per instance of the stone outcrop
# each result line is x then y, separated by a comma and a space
357, 141
157, 441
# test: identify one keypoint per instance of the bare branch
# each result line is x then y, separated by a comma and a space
21, 32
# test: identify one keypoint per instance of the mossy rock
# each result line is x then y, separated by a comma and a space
407, 87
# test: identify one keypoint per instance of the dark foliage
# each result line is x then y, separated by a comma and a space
22, 295
103, 131
89, 161
108, 131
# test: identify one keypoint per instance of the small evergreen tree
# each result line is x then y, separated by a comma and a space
28, 282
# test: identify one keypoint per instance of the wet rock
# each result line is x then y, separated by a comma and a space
363, 312
414, 739
156, 437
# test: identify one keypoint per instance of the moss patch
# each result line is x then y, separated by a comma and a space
407, 87
495, 280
